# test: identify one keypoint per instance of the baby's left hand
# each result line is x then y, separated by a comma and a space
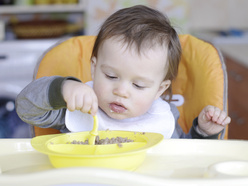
212, 120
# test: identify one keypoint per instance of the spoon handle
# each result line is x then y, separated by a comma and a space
94, 131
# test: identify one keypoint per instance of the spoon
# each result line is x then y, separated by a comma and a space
94, 131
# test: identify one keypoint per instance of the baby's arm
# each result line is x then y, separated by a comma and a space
41, 103
212, 120
79, 96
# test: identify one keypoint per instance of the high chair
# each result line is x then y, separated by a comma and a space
201, 80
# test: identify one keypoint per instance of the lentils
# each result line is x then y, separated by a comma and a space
98, 141
86, 142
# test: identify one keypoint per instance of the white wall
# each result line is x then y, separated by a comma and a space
99, 10
218, 14
186, 15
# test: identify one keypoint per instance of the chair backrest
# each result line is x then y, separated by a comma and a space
201, 79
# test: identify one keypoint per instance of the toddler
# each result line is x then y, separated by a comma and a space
134, 60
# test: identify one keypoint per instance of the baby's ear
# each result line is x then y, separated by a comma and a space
163, 87
93, 67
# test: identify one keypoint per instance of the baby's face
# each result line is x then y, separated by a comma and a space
125, 82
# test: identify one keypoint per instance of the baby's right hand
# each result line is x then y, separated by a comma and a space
79, 96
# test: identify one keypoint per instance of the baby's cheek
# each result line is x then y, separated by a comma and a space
141, 106
99, 89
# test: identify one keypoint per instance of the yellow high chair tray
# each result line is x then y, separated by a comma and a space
126, 156
174, 162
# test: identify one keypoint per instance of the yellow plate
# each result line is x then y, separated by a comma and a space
127, 157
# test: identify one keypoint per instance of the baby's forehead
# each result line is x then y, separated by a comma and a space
116, 50
139, 47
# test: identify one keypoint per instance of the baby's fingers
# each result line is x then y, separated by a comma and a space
208, 113
90, 105
86, 106
226, 121
221, 117
216, 115
94, 108
71, 106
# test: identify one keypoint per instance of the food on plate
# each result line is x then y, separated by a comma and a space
98, 141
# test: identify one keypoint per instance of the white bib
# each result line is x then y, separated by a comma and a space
158, 119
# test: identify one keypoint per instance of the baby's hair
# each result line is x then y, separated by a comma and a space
144, 28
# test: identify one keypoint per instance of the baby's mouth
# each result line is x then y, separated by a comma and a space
117, 108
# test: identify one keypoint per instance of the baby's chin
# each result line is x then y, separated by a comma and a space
119, 116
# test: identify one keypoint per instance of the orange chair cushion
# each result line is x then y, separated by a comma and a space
200, 79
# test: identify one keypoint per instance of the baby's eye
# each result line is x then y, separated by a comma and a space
138, 86
110, 76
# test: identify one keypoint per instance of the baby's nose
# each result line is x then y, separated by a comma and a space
121, 90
